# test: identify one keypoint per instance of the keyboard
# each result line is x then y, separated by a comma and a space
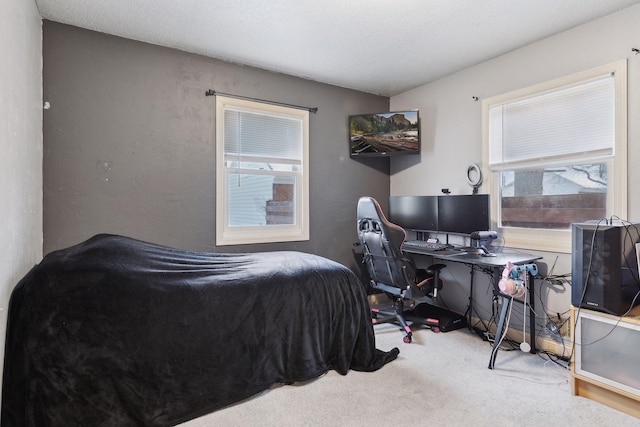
425, 245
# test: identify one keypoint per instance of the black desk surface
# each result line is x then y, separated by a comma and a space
472, 256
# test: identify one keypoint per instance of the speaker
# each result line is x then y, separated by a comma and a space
604, 266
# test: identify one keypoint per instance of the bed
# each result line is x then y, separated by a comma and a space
117, 331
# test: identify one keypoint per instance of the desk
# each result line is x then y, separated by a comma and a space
496, 264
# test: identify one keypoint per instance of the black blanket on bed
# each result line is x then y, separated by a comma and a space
115, 331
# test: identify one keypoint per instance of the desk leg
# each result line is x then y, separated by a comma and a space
532, 314
506, 302
470, 307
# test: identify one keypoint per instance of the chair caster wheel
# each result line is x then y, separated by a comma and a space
407, 339
436, 330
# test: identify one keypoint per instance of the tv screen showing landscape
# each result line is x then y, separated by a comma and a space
385, 134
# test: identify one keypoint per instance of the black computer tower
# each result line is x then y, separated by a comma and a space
604, 266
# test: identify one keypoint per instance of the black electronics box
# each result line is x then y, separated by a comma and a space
604, 266
447, 320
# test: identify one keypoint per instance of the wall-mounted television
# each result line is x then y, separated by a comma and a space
384, 134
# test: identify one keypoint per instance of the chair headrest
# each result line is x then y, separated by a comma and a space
368, 207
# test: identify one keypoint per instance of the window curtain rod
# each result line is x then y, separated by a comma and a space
212, 92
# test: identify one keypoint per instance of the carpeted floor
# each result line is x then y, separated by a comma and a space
440, 379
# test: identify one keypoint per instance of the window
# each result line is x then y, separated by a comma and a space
556, 154
262, 172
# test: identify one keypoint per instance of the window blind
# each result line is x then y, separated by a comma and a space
250, 135
564, 122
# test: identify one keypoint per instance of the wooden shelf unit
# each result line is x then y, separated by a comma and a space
605, 353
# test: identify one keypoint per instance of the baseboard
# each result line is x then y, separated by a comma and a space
559, 345
561, 348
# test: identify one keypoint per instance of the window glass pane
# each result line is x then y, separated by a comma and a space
553, 197
259, 200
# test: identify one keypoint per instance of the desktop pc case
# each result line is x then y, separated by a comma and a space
604, 266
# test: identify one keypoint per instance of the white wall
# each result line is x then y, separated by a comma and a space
452, 127
20, 146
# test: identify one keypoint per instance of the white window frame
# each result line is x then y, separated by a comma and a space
299, 231
560, 240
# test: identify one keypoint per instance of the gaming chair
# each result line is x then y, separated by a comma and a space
392, 271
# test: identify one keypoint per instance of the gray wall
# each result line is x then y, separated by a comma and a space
20, 147
129, 144
452, 125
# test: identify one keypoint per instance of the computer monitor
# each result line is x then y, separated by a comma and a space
463, 214
414, 212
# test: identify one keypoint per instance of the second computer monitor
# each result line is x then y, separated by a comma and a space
463, 214
414, 212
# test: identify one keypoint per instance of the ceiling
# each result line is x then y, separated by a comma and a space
377, 46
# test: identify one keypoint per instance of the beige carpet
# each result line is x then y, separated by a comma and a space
441, 379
